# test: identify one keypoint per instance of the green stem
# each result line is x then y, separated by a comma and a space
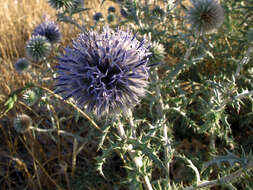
160, 108
133, 154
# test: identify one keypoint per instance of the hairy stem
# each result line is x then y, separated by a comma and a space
137, 160
62, 132
244, 61
160, 108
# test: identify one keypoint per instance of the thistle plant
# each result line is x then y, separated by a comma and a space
158, 53
31, 96
62, 4
22, 123
111, 9
22, 65
50, 30
97, 16
205, 16
128, 10
110, 18
38, 48
105, 72
196, 102
158, 11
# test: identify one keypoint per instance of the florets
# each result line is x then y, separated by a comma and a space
111, 9
50, 30
22, 65
38, 48
105, 72
61, 4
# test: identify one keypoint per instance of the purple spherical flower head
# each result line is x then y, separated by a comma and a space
97, 16
105, 72
50, 30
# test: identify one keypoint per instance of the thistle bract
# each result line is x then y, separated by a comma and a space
110, 18
50, 30
22, 65
31, 96
158, 11
22, 123
97, 16
38, 48
105, 72
128, 9
111, 9
205, 16
61, 4
158, 53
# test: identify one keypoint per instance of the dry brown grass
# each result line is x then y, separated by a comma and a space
18, 19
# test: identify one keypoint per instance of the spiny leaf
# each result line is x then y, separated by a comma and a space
9, 104
230, 158
102, 138
101, 159
148, 152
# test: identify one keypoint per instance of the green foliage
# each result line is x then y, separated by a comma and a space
199, 104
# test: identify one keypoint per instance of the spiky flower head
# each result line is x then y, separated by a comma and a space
22, 65
158, 53
128, 9
104, 72
31, 96
205, 15
158, 11
22, 123
37, 48
250, 36
50, 30
111, 9
97, 16
110, 18
63, 4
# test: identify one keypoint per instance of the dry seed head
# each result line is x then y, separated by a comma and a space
205, 16
22, 123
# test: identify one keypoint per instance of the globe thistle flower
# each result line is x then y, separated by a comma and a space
38, 48
111, 9
61, 4
158, 11
205, 16
50, 30
158, 53
22, 123
77, 5
22, 65
110, 18
250, 36
128, 9
97, 16
105, 72
31, 96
